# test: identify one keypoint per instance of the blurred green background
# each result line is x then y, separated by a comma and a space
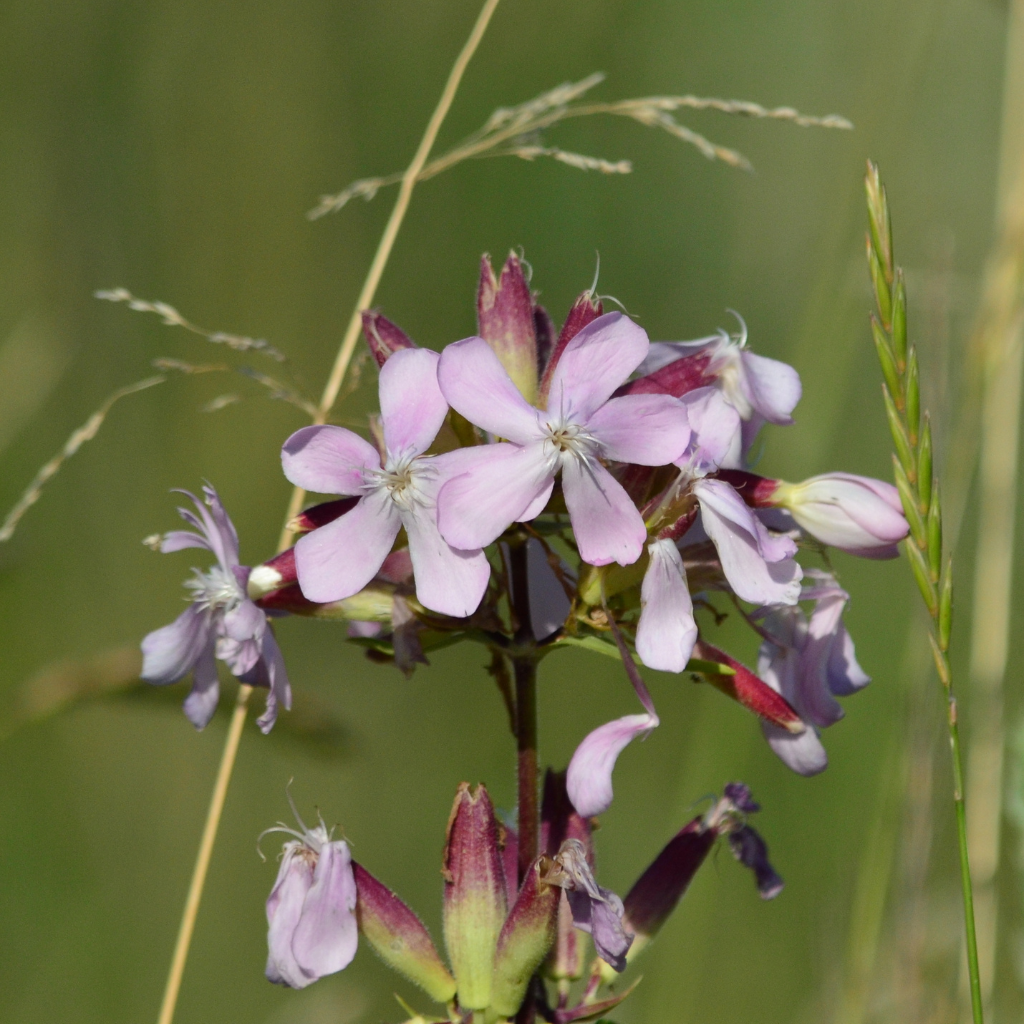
173, 149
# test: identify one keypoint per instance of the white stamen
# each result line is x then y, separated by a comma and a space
215, 589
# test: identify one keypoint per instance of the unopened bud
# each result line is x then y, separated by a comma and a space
474, 894
585, 310
400, 937
504, 310
315, 516
383, 337
676, 378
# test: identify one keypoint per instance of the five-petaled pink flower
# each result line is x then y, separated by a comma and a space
400, 490
582, 427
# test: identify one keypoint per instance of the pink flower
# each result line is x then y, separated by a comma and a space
311, 916
666, 632
221, 622
339, 559
582, 425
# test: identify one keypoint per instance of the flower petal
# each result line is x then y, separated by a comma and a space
773, 387
284, 908
715, 425
734, 531
339, 559
589, 776
666, 632
169, 653
223, 536
326, 936
179, 540
201, 702
328, 460
279, 690
475, 384
246, 622
779, 667
449, 580
594, 364
650, 430
412, 407
606, 523
498, 483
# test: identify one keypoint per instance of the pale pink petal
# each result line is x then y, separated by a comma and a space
846, 511
201, 702
606, 523
326, 935
284, 908
538, 504
499, 482
339, 559
649, 430
661, 353
715, 425
774, 547
246, 622
448, 580
279, 690
179, 540
845, 676
412, 407
328, 460
475, 384
223, 529
168, 654
734, 531
779, 667
666, 632
773, 387
594, 364
589, 776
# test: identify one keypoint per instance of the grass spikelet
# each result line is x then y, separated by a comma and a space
84, 433
515, 131
170, 316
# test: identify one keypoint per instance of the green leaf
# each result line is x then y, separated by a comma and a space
946, 607
590, 643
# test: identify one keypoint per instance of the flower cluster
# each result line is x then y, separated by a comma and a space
532, 490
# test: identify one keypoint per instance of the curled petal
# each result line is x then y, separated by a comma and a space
606, 523
650, 430
499, 483
589, 776
339, 559
326, 935
329, 460
179, 540
169, 653
412, 407
666, 632
475, 384
773, 387
597, 360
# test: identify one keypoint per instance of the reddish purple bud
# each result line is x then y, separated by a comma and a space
273, 575
504, 309
544, 330
662, 885
747, 689
752, 851
399, 937
315, 516
397, 567
584, 310
755, 490
526, 937
510, 862
383, 337
676, 378
474, 894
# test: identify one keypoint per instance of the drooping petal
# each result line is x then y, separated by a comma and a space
606, 523
666, 632
329, 460
650, 430
412, 407
246, 622
201, 702
284, 908
845, 676
734, 531
773, 387
475, 384
279, 690
169, 653
449, 580
498, 484
589, 776
339, 559
594, 364
326, 935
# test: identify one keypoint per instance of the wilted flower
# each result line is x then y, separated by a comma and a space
339, 559
221, 622
311, 917
583, 424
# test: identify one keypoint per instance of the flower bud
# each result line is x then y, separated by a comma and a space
585, 310
526, 937
399, 937
474, 894
383, 337
676, 378
505, 318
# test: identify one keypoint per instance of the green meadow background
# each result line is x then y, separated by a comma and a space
173, 149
